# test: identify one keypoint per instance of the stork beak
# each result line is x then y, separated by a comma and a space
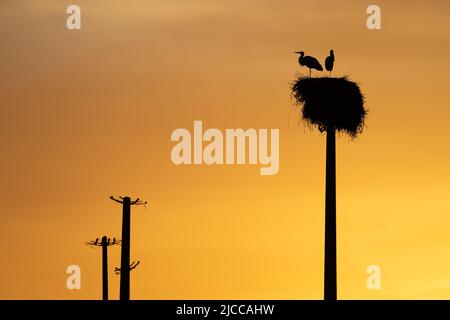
297, 52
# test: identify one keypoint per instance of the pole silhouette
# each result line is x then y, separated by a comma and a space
104, 243
330, 276
105, 267
125, 256
125, 267
331, 105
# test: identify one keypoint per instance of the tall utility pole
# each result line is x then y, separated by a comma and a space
125, 252
330, 283
104, 243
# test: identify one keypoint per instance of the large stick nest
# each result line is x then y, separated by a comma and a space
331, 103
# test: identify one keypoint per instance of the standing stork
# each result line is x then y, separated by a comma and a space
329, 61
309, 62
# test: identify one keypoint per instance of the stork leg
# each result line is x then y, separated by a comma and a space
310, 73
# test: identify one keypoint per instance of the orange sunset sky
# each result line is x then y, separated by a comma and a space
88, 113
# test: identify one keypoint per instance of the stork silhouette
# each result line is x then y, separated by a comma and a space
329, 61
309, 62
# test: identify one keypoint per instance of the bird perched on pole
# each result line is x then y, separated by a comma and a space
309, 62
329, 61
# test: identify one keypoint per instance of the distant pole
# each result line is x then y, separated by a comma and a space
105, 242
105, 267
125, 252
330, 285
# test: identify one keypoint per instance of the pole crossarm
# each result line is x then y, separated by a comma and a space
132, 266
136, 202
107, 243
